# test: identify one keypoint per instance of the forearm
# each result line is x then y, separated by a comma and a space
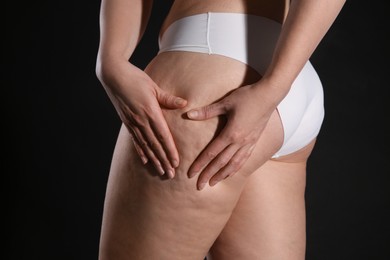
122, 24
306, 24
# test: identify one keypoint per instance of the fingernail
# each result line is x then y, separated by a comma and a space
192, 114
170, 174
179, 101
144, 160
161, 170
175, 163
201, 185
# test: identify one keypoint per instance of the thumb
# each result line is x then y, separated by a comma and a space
170, 101
207, 112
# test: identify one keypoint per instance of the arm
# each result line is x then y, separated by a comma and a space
135, 96
122, 24
306, 24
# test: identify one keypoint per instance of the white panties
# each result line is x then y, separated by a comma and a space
251, 39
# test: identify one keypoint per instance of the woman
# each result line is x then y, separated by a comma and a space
232, 99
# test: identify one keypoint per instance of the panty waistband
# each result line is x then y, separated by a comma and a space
247, 38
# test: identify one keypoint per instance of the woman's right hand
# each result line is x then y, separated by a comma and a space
137, 100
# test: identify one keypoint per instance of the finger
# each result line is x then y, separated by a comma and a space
139, 150
206, 156
170, 101
157, 148
234, 165
165, 138
148, 151
137, 146
207, 112
216, 165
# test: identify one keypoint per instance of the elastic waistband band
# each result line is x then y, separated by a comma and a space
248, 38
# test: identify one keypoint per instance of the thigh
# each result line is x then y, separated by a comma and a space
150, 217
269, 219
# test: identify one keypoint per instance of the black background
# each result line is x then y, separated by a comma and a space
59, 130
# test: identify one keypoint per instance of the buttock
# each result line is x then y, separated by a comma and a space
251, 40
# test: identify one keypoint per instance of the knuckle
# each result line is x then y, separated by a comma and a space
210, 154
154, 145
235, 163
221, 163
162, 136
251, 138
235, 136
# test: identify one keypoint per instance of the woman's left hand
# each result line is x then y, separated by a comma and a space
247, 112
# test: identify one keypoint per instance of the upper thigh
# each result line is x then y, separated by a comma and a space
144, 210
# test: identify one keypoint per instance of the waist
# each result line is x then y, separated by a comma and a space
248, 38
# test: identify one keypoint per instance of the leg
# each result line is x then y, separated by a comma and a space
149, 217
269, 219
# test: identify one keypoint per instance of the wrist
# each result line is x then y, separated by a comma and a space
271, 90
281, 80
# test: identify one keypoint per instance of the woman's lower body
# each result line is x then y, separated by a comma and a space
259, 213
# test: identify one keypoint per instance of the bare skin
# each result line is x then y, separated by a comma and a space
145, 211
256, 213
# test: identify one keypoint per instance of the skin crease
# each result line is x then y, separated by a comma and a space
258, 211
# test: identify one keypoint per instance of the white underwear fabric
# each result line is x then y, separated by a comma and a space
251, 39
